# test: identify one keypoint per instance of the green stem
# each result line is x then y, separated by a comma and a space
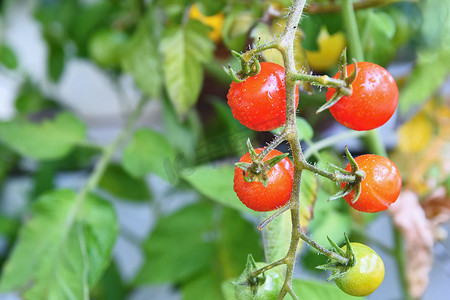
399, 253
323, 80
351, 26
278, 140
106, 157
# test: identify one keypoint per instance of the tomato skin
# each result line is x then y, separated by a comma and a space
373, 101
269, 290
278, 190
381, 186
365, 276
259, 102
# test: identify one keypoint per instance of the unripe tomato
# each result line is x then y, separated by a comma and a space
372, 102
259, 102
278, 190
106, 47
365, 276
214, 21
381, 186
268, 290
330, 49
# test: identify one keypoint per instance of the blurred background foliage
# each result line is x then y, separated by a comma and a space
173, 51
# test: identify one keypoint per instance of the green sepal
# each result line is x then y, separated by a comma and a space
336, 247
350, 79
251, 150
339, 169
343, 64
349, 253
236, 54
247, 278
351, 160
333, 100
342, 193
357, 189
229, 70
243, 165
274, 160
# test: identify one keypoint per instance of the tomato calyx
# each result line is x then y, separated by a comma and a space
248, 68
345, 90
338, 268
247, 278
353, 178
257, 169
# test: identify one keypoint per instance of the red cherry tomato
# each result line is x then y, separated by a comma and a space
381, 186
373, 101
259, 102
278, 190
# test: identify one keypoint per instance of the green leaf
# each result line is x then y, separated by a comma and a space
120, 184
305, 131
49, 139
205, 287
216, 183
56, 61
235, 29
142, 59
148, 152
185, 49
315, 290
209, 8
63, 248
110, 286
8, 226
431, 69
181, 245
238, 238
311, 25
7, 57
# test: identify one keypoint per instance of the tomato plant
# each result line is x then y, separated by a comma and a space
260, 101
372, 102
380, 187
365, 276
258, 197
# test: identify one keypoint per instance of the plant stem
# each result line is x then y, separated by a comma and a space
351, 26
278, 140
102, 164
399, 254
322, 80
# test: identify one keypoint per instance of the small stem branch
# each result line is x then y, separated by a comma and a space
274, 216
330, 254
102, 164
323, 80
278, 140
247, 56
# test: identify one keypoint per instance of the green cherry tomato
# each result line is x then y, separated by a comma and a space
268, 290
106, 47
365, 276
